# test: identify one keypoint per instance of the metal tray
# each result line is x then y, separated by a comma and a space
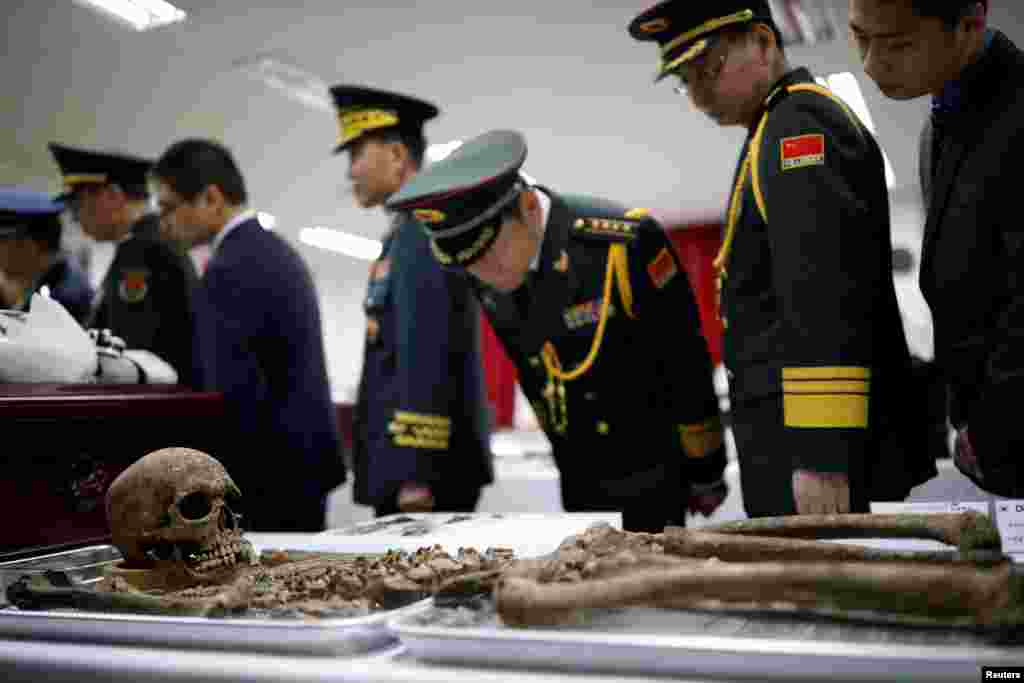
527, 534
762, 646
334, 636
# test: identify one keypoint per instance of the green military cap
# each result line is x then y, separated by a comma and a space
26, 213
86, 167
685, 29
361, 109
459, 199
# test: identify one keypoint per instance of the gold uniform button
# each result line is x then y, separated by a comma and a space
603, 427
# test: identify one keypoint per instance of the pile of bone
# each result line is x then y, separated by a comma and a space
775, 564
172, 518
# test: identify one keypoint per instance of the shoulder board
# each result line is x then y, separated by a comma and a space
606, 229
781, 93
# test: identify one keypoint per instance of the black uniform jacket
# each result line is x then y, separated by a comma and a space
808, 297
642, 405
259, 341
421, 411
972, 261
146, 298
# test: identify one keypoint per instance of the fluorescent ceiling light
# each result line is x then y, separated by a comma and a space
139, 14
342, 243
267, 220
288, 79
845, 85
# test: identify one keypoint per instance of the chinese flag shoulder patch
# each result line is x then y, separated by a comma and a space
662, 268
803, 150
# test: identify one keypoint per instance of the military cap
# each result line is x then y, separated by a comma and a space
459, 199
685, 29
85, 167
362, 109
24, 211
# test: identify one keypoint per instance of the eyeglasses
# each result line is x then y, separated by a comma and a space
703, 70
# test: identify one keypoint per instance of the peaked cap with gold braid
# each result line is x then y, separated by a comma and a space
686, 29
361, 110
80, 167
459, 199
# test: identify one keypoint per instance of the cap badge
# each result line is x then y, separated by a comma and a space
655, 25
429, 215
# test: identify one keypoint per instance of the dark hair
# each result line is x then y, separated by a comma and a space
410, 136
46, 231
949, 11
190, 166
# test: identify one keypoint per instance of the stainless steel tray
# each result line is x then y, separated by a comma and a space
761, 646
334, 636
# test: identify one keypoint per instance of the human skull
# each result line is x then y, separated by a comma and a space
170, 509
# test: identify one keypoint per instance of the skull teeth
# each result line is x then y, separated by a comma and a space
225, 553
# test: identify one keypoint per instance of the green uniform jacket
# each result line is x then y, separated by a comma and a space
817, 360
642, 420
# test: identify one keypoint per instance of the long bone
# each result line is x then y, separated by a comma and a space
981, 596
968, 531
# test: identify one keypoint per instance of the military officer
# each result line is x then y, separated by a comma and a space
421, 435
817, 359
595, 311
146, 295
31, 259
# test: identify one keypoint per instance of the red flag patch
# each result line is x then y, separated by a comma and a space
803, 150
662, 268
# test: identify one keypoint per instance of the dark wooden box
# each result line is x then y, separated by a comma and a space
62, 446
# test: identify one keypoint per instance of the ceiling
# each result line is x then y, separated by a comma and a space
565, 73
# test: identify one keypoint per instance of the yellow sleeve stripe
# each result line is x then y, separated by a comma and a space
839, 386
419, 435
702, 438
825, 411
405, 417
826, 373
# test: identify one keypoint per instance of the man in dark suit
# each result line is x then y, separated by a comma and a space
972, 259
595, 311
258, 341
814, 345
31, 259
421, 437
146, 295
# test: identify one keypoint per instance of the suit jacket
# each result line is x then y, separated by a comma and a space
146, 298
972, 260
643, 414
259, 341
67, 284
809, 302
421, 412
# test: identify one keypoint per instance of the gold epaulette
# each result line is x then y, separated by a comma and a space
606, 229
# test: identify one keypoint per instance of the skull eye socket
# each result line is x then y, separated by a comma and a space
195, 506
